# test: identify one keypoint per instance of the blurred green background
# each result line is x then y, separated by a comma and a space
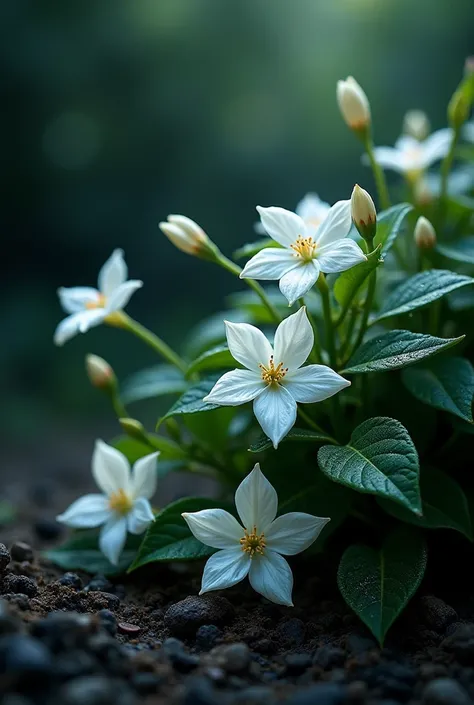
115, 113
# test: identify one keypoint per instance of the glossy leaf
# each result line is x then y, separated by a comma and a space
81, 552
252, 248
461, 250
191, 402
349, 282
152, 382
295, 434
213, 359
389, 224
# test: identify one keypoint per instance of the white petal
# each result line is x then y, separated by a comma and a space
236, 387
86, 512
390, 158
336, 224
256, 501
436, 146
283, 226
406, 143
75, 299
248, 345
294, 532
110, 469
270, 263
90, 319
140, 517
313, 210
339, 256
297, 282
144, 476
113, 273
112, 538
314, 383
271, 576
67, 328
224, 569
122, 294
275, 410
294, 340
215, 527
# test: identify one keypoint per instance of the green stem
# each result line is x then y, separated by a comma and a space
349, 332
334, 401
118, 406
368, 303
230, 266
312, 424
378, 173
154, 342
315, 355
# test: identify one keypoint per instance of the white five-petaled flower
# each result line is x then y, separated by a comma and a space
89, 307
274, 378
311, 209
123, 506
412, 157
306, 251
257, 548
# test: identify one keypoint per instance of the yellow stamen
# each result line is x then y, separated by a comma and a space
120, 502
98, 303
272, 374
305, 248
252, 543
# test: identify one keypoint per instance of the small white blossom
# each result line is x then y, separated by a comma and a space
274, 378
411, 157
353, 104
90, 307
416, 124
306, 251
123, 506
311, 209
257, 548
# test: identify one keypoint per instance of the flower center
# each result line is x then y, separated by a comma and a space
272, 374
99, 303
305, 248
120, 502
252, 543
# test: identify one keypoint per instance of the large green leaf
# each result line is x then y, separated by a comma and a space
213, 359
81, 552
349, 282
447, 383
133, 449
252, 248
152, 382
460, 251
389, 224
378, 585
444, 504
191, 402
396, 349
421, 290
380, 459
295, 434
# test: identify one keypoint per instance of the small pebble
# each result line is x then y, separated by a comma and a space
436, 614
322, 694
71, 580
9, 624
445, 691
20, 584
26, 660
128, 629
145, 683
296, 664
4, 558
99, 583
233, 658
21, 551
292, 632
207, 636
109, 621
327, 657
184, 617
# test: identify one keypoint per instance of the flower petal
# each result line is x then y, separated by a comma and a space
144, 476
110, 468
313, 211
113, 273
224, 569
436, 146
214, 527
86, 512
268, 264
283, 226
339, 256
336, 224
122, 294
275, 410
256, 501
298, 281
271, 576
74, 299
112, 538
390, 158
236, 387
294, 340
406, 143
68, 328
140, 517
314, 383
90, 319
294, 532
248, 345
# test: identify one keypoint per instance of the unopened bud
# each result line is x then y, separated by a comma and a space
188, 236
422, 193
100, 373
416, 124
462, 99
424, 234
133, 428
364, 214
354, 105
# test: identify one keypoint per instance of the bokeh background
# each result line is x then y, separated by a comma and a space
115, 113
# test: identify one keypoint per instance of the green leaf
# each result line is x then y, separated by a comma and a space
396, 349
152, 382
420, 290
191, 402
295, 434
378, 585
212, 359
380, 459
349, 282
389, 224
134, 449
81, 552
445, 383
444, 504
460, 251
252, 248
169, 539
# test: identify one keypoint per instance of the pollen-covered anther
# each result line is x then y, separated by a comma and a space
304, 247
120, 502
272, 374
253, 543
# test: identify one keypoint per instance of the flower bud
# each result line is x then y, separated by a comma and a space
422, 193
462, 99
364, 214
188, 236
416, 124
424, 234
133, 428
354, 105
100, 373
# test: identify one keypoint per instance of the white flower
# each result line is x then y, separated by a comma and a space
257, 548
410, 156
416, 124
89, 307
311, 209
274, 379
123, 507
353, 104
306, 250
186, 235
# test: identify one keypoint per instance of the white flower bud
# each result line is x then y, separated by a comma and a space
363, 211
100, 373
416, 124
353, 104
187, 235
424, 234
